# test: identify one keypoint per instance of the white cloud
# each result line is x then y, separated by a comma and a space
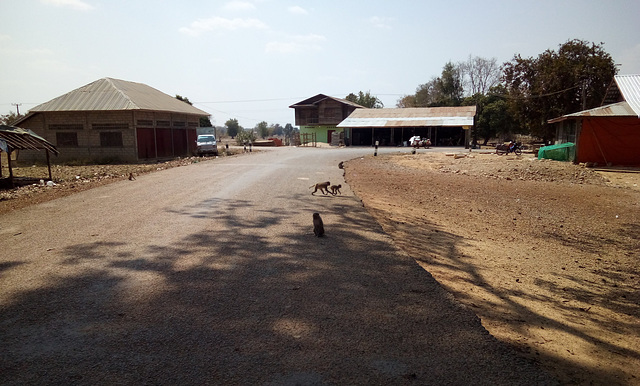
381, 22
298, 43
73, 4
237, 5
198, 27
296, 10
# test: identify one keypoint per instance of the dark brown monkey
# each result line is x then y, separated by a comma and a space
335, 189
318, 226
131, 177
340, 165
322, 186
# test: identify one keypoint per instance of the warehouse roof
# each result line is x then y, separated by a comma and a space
411, 117
108, 94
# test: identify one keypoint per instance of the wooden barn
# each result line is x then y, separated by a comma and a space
609, 134
112, 119
444, 126
321, 114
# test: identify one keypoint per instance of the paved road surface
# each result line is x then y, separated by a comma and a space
210, 274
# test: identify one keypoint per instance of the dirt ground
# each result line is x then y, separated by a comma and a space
546, 253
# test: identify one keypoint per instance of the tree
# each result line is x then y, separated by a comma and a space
263, 129
232, 127
479, 74
289, 130
245, 136
493, 118
276, 129
365, 99
9, 119
449, 85
572, 79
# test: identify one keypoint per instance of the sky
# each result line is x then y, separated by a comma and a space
251, 59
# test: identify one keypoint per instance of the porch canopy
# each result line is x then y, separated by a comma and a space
16, 138
412, 118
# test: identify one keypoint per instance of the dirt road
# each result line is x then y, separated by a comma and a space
546, 253
210, 274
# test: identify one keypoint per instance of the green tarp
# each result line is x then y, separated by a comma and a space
561, 152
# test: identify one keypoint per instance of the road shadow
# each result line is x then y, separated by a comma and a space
234, 305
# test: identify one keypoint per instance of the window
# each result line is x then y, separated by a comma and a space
110, 126
145, 122
67, 139
179, 124
66, 126
163, 123
111, 139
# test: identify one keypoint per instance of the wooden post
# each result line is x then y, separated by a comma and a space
49, 165
10, 167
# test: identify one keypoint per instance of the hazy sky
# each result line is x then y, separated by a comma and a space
251, 60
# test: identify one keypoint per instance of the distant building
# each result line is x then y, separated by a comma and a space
444, 126
609, 134
112, 119
321, 114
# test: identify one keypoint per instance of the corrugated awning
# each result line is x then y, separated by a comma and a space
23, 139
411, 117
620, 109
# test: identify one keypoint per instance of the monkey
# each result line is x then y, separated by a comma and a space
323, 186
335, 189
318, 226
131, 177
340, 165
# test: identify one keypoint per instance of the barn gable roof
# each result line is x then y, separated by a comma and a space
108, 94
315, 100
625, 88
411, 117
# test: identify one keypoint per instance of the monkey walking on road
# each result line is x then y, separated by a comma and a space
322, 186
318, 226
335, 189
131, 177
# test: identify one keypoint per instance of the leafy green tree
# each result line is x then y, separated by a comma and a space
289, 130
276, 129
9, 119
245, 136
449, 86
493, 118
365, 99
556, 83
263, 129
233, 128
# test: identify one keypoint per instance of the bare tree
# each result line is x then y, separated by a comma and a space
480, 74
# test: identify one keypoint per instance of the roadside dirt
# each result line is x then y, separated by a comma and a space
546, 253
69, 179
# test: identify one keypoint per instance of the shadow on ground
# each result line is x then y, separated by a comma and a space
235, 306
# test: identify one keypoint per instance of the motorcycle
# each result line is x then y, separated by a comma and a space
418, 142
511, 147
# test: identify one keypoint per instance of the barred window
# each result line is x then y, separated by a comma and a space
179, 124
111, 139
67, 139
163, 123
145, 122
110, 126
66, 126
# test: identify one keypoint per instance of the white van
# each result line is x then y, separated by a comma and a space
206, 144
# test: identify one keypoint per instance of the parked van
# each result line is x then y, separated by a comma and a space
206, 144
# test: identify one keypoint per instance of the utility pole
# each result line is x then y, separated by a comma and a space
17, 107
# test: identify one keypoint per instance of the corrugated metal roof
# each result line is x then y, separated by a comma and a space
109, 94
620, 109
314, 100
411, 117
629, 86
19, 138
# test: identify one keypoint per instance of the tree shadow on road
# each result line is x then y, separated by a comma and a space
230, 304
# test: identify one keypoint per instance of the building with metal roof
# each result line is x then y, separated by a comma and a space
319, 115
115, 119
393, 126
609, 134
